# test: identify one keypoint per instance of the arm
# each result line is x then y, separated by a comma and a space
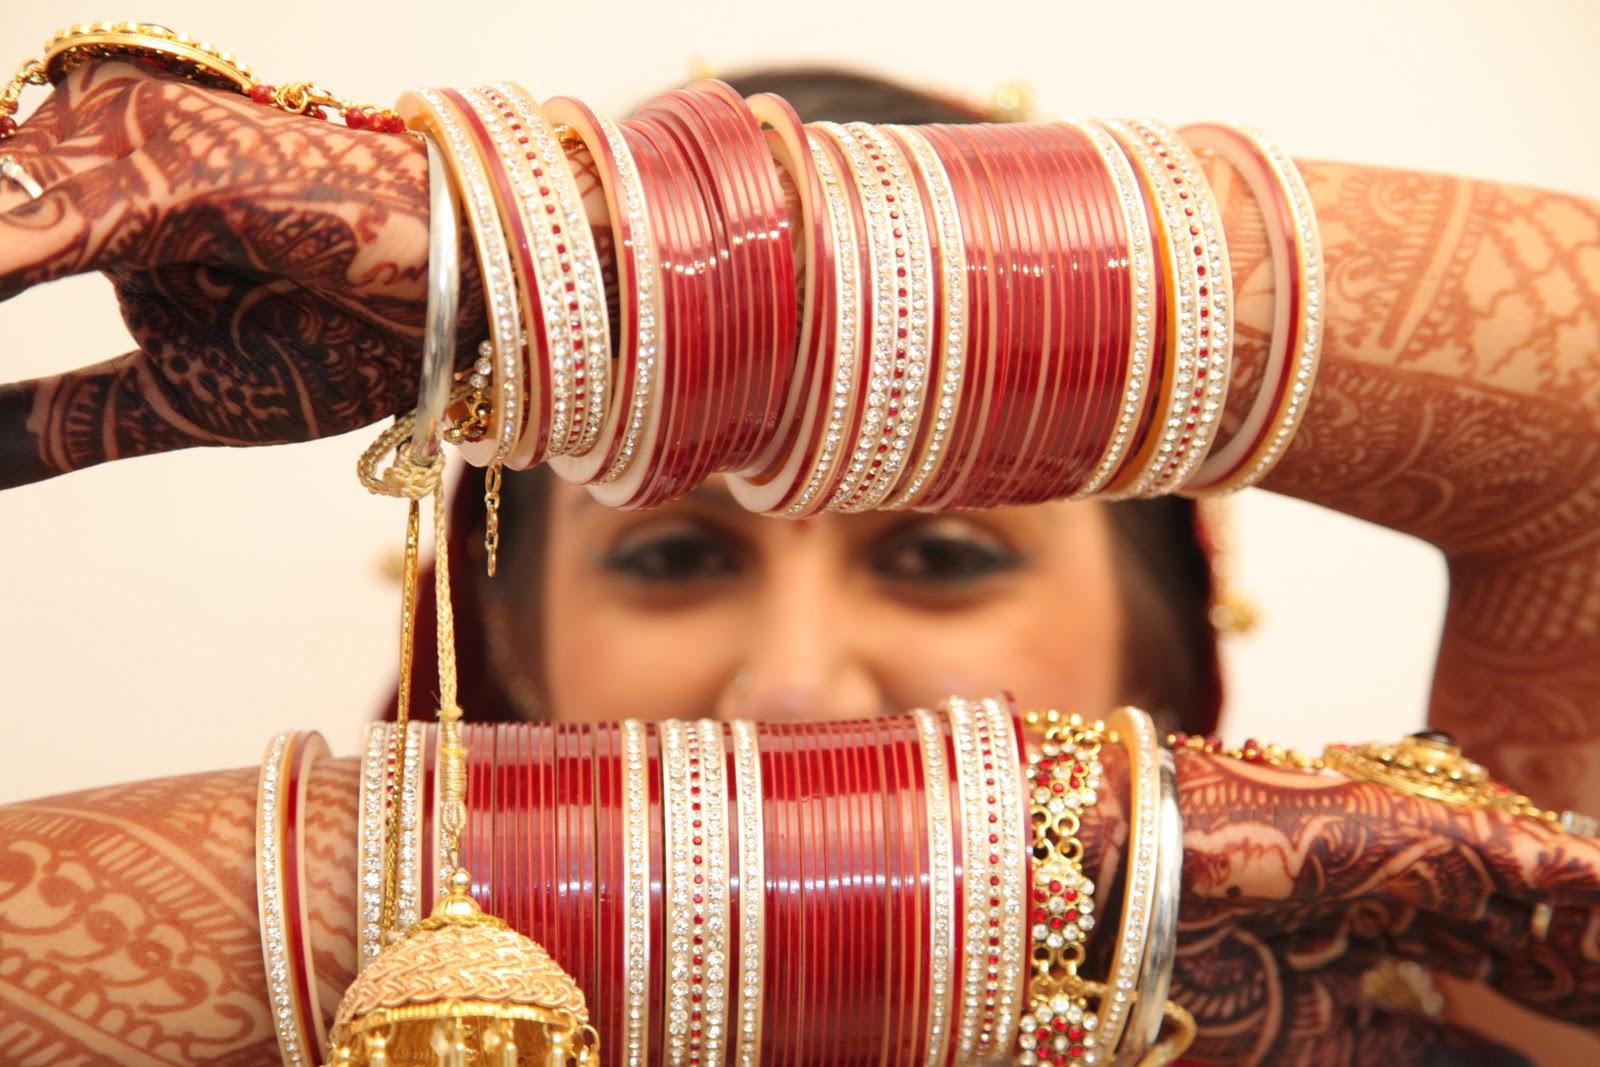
128, 925
1459, 401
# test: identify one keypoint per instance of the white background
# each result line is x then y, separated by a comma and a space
168, 614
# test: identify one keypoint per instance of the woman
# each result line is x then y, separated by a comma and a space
1447, 411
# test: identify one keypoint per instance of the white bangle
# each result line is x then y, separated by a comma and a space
1161, 944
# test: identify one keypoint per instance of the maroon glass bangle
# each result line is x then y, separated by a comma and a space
722, 276
774, 233
776, 473
535, 363
771, 304
946, 486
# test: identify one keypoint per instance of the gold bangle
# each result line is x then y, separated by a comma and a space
752, 893
1064, 779
635, 895
942, 986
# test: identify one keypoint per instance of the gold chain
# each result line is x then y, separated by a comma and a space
491, 513
180, 54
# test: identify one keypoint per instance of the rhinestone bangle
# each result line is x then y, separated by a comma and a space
635, 895
1143, 267
1138, 735
369, 844
942, 985
428, 109
695, 809
1296, 342
948, 356
752, 893
1161, 945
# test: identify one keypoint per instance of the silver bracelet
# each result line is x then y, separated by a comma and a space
444, 303
1161, 943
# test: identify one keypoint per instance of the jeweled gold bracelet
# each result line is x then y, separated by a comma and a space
1064, 779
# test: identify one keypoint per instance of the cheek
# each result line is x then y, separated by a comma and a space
608, 661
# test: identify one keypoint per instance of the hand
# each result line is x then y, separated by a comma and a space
270, 267
1295, 885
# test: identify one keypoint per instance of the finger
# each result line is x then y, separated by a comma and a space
225, 360
92, 118
96, 220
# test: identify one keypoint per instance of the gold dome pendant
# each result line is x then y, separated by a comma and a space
463, 989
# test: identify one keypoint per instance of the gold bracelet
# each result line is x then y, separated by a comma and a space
1064, 778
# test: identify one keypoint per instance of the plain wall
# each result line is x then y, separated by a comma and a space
168, 614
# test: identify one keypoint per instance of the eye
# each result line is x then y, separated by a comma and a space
679, 553
943, 552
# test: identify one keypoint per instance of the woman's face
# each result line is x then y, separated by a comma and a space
699, 607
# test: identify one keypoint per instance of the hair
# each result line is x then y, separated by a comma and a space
1160, 548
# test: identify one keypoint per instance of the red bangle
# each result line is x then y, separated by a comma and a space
1295, 343
773, 476
772, 231
724, 276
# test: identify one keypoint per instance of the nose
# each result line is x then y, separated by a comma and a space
802, 659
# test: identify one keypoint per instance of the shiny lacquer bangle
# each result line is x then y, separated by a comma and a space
1295, 345
428, 110
1138, 735
1161, 945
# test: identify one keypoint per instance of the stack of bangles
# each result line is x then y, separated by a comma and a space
903, 889
941, 316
